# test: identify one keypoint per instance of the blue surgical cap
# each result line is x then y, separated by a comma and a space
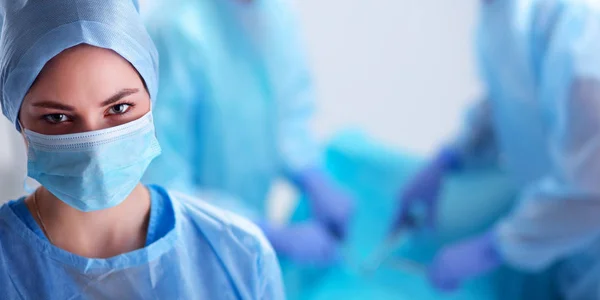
35, 31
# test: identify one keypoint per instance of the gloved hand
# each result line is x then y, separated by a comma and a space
424, 189
461, 261
307, 243
331, 205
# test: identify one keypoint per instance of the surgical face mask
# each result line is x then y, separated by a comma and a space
93, 170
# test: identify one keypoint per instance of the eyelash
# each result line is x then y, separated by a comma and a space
47, 118
129, 104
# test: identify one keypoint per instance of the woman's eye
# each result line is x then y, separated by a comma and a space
119, 109
56, 118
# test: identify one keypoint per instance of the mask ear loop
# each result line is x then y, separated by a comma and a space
28, 187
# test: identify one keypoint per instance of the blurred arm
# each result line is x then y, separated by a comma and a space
559, 214
476, 144
292, 84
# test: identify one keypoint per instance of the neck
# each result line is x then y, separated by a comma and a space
98, 234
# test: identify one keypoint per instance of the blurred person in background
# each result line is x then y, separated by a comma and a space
238, 102
79, 81
540, 62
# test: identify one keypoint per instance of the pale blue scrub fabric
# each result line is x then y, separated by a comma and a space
206, 254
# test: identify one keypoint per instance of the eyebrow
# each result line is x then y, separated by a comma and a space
53, 105
118, 96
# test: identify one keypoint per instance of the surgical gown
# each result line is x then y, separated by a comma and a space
236, 98
541, 67
206, 253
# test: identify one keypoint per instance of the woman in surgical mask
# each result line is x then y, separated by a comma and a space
540, 62
78, 80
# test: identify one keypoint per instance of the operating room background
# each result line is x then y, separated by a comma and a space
402, 71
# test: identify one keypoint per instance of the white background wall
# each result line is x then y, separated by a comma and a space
12, 161
402, 70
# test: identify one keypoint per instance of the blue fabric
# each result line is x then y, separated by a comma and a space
20, 209
373, 173
207, 254
540, 65
160, 223
162, 219
236, 97
35, 31
90, 171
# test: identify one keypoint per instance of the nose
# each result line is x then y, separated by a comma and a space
88, 123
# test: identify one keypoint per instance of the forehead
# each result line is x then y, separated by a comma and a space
84, 59
85, 71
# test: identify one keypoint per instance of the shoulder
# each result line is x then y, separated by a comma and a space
203, 209
220, 225
566, 36
238, 243
8, 217
9, 226
552, 13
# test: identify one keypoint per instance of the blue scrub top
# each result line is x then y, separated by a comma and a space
194, 251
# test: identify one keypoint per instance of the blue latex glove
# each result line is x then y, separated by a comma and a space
424, 189
306, 243
330, 204
461, 261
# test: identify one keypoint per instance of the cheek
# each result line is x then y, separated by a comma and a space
146, 106
143, 104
